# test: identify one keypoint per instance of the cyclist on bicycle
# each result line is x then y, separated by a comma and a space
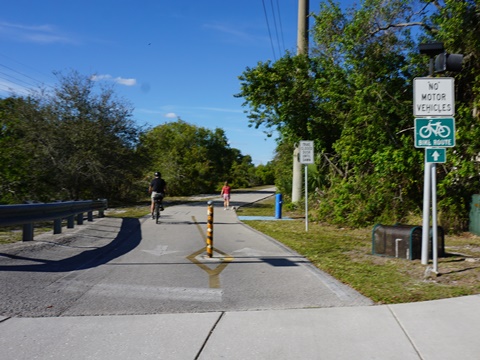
158, 187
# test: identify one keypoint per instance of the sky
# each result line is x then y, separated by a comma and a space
169, 59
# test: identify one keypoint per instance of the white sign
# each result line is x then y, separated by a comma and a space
433, 97
306, 152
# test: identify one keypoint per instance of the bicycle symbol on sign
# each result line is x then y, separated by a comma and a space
436, 129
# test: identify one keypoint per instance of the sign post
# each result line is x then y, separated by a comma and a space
306, 157
433, 104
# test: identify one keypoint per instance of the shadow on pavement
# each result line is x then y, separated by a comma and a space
127, 239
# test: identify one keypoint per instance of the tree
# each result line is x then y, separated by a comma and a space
93, 145
17, 159
75, 142
192, 159
284, 96
354, 97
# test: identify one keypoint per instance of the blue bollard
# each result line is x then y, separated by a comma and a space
278, 206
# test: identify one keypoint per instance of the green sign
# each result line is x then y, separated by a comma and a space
435, 155
434, 132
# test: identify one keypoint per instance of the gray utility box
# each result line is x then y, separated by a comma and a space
403, 241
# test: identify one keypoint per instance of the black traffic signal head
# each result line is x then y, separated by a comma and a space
448, 62
431, 49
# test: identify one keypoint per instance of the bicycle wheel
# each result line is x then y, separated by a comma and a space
157, 211
425, 131
444, 131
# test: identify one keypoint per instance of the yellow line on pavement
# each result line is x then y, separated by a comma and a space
214, 274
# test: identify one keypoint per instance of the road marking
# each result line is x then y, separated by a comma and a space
147, 292
160, 250
201, 261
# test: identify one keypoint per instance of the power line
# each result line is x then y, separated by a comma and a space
12, 90
268, 27
16, 81
278, 27
15, 78
27, 66
281, 26
275, 24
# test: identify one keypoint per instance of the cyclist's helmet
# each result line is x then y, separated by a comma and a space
157, 174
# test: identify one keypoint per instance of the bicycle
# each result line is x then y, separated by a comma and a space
436, 129
158, 207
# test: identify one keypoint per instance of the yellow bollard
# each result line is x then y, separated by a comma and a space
210, 229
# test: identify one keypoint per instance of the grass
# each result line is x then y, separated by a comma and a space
346, 254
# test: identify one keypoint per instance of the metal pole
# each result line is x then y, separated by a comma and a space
434, 219
306, 198
426, 192
278, 206
210, 229
426, 212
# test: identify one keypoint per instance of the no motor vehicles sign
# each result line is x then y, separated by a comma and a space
433, 97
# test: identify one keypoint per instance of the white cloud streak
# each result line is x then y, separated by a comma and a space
117, 80
39, 34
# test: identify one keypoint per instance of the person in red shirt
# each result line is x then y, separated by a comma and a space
225, 193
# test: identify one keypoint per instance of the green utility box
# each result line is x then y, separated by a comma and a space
403, 241
474, 226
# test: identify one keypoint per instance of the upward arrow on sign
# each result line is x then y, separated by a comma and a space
435, 155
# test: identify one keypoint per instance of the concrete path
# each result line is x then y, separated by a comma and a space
435, 330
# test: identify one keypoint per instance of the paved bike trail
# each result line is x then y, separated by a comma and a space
253, 299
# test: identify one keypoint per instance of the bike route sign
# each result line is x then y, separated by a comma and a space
433, 97
434, 132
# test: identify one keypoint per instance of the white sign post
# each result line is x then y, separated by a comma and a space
306, 157
432, 98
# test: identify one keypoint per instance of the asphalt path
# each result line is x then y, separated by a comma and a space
136, 267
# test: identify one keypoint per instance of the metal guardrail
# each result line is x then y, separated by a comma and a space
28, 214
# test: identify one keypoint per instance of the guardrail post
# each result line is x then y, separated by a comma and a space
101, 213
80, 219
57, 226
210, 229
27, 232
71, 222
90, 216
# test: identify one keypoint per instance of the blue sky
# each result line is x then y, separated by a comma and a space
169, 59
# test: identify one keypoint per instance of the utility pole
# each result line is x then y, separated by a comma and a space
302, 30
302, 48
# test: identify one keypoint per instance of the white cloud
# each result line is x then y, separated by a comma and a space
42, 34
171, 115
126, 82
235, 32
117, 80
221, 110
